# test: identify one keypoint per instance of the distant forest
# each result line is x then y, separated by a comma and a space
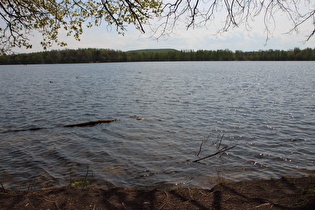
91, 55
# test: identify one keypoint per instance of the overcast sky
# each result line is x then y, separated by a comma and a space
192, 39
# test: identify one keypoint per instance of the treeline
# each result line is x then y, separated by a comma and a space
91, 55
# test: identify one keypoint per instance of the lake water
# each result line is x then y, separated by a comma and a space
266, 109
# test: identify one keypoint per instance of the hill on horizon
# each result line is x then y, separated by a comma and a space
163, 50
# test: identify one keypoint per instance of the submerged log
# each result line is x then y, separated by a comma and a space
28, 129
91, 123
95, 122
82, 124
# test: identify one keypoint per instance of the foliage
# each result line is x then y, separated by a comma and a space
51, 17
91, 55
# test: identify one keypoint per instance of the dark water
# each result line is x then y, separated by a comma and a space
266, 109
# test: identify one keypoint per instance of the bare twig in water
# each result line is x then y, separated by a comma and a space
218, 152
219, 141
87, 173
2, 186
200, 148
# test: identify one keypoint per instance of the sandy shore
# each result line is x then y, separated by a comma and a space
284, 193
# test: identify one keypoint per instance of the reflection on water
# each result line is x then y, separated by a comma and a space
267, 109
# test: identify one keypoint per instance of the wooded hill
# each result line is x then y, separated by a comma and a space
91, 55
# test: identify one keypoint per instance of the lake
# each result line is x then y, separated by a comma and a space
266, 109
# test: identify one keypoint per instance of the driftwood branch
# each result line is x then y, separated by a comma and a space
218, 152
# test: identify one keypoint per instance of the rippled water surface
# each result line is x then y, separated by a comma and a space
266, 109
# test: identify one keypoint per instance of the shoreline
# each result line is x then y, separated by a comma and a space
283, 193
